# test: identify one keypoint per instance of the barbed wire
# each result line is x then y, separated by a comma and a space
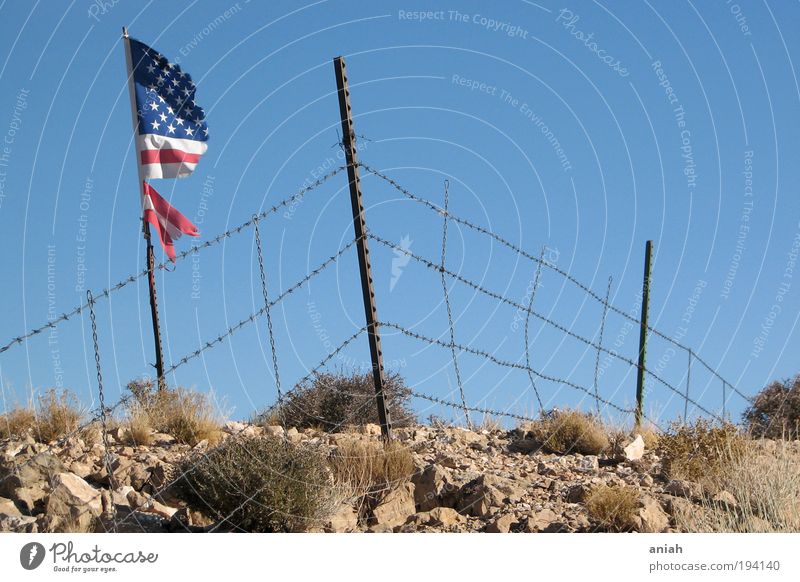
527, 341
494, 295
600, 342
253, 316
182, 255
517, 249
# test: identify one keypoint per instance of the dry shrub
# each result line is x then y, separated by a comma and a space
57, 414
567, 431
330, 401
765, 482
140, 430
17, 422
775, 411
700, 452
489, 423
615, 508
257, 484
188, 416
367, 467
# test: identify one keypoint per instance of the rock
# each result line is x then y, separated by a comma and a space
233, 427
588, 464
135, 499
502, 524
344, 519
138, 476
576, 493
395, 507
75, 500
163, 439
635, 450
430, 487
371, 429
479, 496
725, 499
33, 472
294, 435
275, 431
545, 469
686, 489
541, 520
8, 509
646, 480
380, 528
120, 495
652, 517
18, 524
159, 509
30, 499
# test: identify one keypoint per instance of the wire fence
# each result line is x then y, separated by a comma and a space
457, 350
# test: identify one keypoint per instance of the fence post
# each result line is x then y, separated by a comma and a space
648, 255
360, 226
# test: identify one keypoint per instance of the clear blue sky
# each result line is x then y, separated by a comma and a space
589, 127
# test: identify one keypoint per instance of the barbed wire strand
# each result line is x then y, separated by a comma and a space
446, 294
505, 242
489, 293
103, 412
182, 255
600, 343
527, 341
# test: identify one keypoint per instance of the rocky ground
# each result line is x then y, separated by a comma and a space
464, 481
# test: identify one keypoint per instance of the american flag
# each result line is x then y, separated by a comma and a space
172, 132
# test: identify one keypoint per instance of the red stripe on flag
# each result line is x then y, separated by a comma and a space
168, 157
161, 215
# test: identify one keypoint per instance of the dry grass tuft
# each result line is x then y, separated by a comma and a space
17, 422
188, 416
567, 431
365, 468
700, 452
615, 508
58, 413
765, 483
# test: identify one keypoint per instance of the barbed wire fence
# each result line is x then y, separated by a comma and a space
101, 415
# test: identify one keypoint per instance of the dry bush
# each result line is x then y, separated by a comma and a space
330, 401
17, 422
188, 416
775, 411
700, 452
368, 467
567, 431
615, 508
489, 423
57, 414
140, 429
257, 484
764, 481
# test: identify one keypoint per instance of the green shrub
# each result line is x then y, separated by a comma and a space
331, 401
775, 411
700, 452
615, 508
257, 484
564, 432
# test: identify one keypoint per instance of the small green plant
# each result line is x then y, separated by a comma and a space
700, 451
332, 401
257, 484
614, 508
775, 411
566, 431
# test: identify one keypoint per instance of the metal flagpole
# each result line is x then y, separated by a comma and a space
151, 276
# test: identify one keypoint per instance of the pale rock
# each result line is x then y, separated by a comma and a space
479, 496
588, 464
75, 500
371, 429
18, 524
120, 495
635, 450
395, 507
274, 431
681, 488
430, 485
652, 517
8, 508
441, 517
159, 509
233, 427
344, 519
541, 520
502, 524
293, 435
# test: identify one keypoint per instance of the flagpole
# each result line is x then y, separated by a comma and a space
151, 276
